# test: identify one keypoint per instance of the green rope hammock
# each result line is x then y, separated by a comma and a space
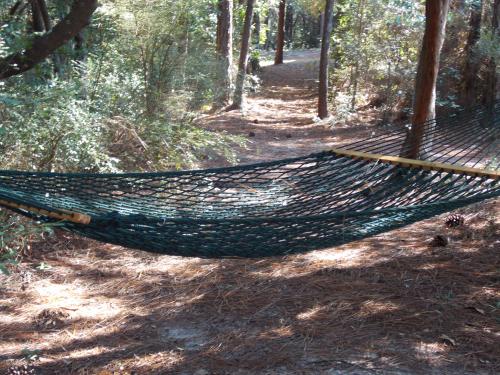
274, 208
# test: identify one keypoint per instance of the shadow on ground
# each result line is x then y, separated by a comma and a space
386, 304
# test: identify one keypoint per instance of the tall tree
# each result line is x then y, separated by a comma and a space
42, 47
224, 51
280, 36
490, 92
471, 66
256, 20
324, 60
424, 101
359, 41
289, 25
37, 21
243, 61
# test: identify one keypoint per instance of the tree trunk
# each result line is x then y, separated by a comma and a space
321, 24
37, 23
242, 65
256, 20
224, 50
324, 60
45, 14
42, 47
304, 28
355, 74
289, 25
427, 71
47, 24
15, 8
471, 67
280, 37
490, 93
269, 34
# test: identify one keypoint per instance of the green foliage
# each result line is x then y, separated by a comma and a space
16, 236
489, 46
127, 105
31, 354
374, 45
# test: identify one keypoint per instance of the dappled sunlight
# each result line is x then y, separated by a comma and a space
372, 307
433, 353
374, 303
337, 257
279, 332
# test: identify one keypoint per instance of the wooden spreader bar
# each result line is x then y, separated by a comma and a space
419, 164
74, 217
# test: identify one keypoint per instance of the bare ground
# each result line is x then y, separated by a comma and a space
389, 304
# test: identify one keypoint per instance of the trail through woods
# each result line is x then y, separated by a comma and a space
389, 304
279, 120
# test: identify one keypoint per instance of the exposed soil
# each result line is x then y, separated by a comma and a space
389, 304
280, 119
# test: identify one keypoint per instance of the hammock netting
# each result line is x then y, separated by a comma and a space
273, 208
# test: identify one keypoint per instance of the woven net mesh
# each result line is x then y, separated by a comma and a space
273, 208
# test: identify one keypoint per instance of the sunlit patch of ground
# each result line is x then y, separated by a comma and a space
386, 304
382, 304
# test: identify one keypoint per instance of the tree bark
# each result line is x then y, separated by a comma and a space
324, 60
289, 25
359, 41
280, 37
256, 20
428, 66
45, 14
37, 23
243, 62
471, 66
490, 93
15, 8
42, 47
224, 50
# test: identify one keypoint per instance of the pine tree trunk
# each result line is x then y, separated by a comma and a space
355, 75
321, 24
269, 34
243, 62
324, 60
256, 21
280, 37
427, 71
471, 67
289, 25
224, 51
490, 93
37, 22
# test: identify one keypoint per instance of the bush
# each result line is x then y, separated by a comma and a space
16, 236
71, 125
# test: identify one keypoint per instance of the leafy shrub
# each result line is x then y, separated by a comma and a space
70, 125
16, 235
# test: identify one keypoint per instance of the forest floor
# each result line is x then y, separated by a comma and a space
388, 304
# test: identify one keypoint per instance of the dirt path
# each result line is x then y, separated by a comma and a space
280, 119
389, 304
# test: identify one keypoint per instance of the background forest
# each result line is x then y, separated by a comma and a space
124, 93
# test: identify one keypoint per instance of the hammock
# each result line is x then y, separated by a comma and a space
274, 208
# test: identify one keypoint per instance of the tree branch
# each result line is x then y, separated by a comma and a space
42, 47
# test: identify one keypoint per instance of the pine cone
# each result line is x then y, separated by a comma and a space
21, 370
454, 221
